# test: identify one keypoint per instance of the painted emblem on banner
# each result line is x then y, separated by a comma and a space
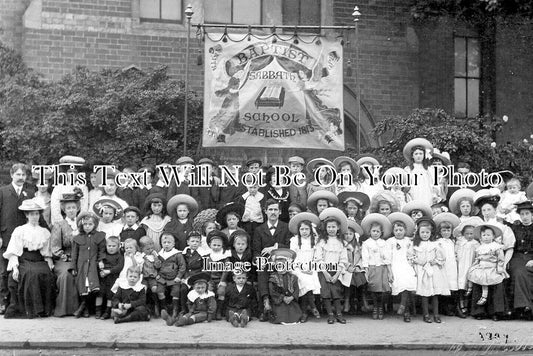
281, 94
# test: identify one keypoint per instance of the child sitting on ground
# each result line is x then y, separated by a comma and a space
129, 303
200, 302
241, 299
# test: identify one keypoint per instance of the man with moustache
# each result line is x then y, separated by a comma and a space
11, 196
268, 236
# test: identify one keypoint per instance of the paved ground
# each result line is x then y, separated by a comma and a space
65, 336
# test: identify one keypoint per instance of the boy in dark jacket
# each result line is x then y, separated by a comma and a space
170, 275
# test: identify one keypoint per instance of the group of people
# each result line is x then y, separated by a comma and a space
279, 253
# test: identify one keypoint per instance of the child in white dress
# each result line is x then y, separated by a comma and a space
446, 223
303, 243
428, 262
376, 260
401, 247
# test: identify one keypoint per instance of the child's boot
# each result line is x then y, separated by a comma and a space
78, 313
244, 319
218, 315
107, 313
157, 311
98, 311
175, 308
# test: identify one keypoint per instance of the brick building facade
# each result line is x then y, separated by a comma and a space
403, 64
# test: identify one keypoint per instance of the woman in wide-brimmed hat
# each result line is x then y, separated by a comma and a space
30, 263
303, 227
417, 153
325, 168
61, 242
156, 217
182, 209
71, 165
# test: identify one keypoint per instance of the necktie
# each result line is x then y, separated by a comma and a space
19, 190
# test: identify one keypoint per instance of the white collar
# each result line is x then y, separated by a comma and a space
16, 187
193, 295
133, 227
160, 183
139, 286
239, 289
217, 256
168, 254
257, 196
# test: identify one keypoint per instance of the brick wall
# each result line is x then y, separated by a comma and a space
11, 29
514, 78
388, 55
403, 66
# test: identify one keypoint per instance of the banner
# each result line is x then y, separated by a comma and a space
260, 93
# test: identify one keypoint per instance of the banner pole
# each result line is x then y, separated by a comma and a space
188, 13
356, 15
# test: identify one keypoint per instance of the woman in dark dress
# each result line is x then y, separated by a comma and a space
521, 264
31, 282
61, 240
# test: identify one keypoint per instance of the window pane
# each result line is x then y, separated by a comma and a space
247, 12
473, 97
473, 57
310, 12
171, 9
218, 11
150, 9
460, 97
460, 56
291, 12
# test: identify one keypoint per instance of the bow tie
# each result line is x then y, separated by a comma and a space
128, 229
272, 228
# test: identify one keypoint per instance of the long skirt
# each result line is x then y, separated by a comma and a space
36, 285
67, 297
286, 313
522, 280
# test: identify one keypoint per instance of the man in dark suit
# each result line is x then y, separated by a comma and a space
267, 237
11, 196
